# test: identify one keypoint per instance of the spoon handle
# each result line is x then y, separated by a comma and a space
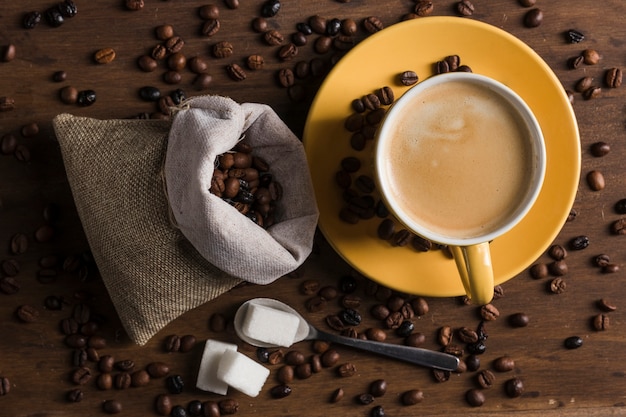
418, 356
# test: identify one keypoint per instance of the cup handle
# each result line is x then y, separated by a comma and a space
475, 270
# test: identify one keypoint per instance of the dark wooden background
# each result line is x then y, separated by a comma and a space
586, 381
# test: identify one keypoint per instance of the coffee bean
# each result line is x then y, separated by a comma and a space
30, 130
420, 306
401, 238
591, 56
467, 335
53, 17
337, 395
379, 311
412, 397
8, 144
465, 8
323, 44
228, 406
504, 364
122, 381
112, 407
8, 53
27, 313
440, 376
514, 387
378, 388
489, 312
209, 11
7, 104
104, 55
74, 396
592, 93
86, 98
210, 27
187, 343
287, 52
600, 322
5, 386
573, 342
575, 62
280, 391
172, 77
539, 270
174, 44
9, 286
81, 313
44, 233
372, 24
164, 32
475, 397
558, 285
423, 8
618, 227
519, 320
599, 149
606, 305
620, 206
405, 328
106, 363
270, 8
81, 376
68, 95
486, 378
558, 268
365, 399
10, 267
303, 371
68, 8
134, 5
19, 244
533, 18
177, 61
444, 335
317, 24
595, 180
171, 343
330, 358
157, 369
385, 95
472, 362
175, 384
579, 242
22, 153
31, 19
163, 404
347, 369
613, 77
557, 252
104, 382
194, 408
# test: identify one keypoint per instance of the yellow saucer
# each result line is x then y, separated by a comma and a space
416, 45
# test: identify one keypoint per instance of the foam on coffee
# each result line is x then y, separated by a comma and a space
458, 158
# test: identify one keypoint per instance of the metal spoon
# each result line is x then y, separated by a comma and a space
306, 331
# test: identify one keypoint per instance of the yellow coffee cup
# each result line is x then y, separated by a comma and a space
460, 160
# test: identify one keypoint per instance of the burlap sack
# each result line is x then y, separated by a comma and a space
209, 126
152, 272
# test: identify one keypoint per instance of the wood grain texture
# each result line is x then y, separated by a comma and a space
588, 381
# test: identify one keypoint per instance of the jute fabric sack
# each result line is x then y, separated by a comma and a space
153, 273
209, 126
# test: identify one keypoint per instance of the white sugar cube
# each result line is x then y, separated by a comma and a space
270, 325
242, 373
207, 375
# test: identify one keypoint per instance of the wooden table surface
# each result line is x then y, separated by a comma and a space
590, 380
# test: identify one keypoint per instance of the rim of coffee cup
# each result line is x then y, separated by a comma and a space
539, 151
